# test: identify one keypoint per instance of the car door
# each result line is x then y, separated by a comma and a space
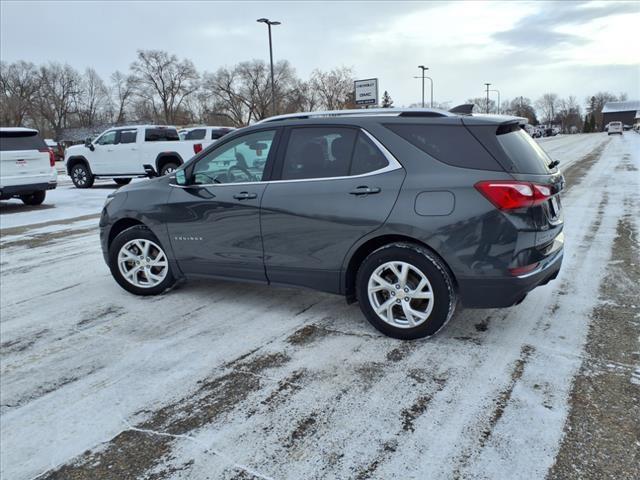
126, 156
333, 185
214, 220
101, 157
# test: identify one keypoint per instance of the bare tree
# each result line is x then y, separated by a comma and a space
164, 81
481, 105
18, 88
59, 85
547, 105
122, 90
92, 100
569, 114
521, 107
335, 88
595, 104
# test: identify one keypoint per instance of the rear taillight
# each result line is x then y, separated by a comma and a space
52, 157
508, 195
197, 147
518, 271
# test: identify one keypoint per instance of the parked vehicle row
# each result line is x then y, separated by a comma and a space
27, 166
408, 212
122, 153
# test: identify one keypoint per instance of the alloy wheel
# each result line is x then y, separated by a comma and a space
400, 294
143, 263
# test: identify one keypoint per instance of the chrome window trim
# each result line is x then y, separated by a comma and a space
393, 164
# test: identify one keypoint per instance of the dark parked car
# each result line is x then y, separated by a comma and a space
408, 212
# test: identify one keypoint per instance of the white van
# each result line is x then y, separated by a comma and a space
615, 127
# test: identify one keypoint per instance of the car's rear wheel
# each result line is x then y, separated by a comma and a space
122, 181
81, 176
168, 168
35, 198
139, 263
405, 291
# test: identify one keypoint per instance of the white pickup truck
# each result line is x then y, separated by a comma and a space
120, 153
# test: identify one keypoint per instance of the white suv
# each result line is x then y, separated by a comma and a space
27, 166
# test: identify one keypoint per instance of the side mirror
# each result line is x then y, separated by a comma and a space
181, 177
149, 170
88, 144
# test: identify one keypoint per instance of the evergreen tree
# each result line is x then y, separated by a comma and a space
586, 125
387, 102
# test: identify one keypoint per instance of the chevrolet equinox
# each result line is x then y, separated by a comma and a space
408, 212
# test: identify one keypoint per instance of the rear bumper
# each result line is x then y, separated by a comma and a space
14, 190
507, 291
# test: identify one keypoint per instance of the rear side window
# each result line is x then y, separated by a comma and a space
197, 134
161, 135
366, 156
217, 133
322, 152
21, 141
450, 144
128, 136
523, 151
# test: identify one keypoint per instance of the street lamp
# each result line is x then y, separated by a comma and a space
423, 68
498, 92
273, 87
487, 84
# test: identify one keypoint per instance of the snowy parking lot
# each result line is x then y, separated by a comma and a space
237, 381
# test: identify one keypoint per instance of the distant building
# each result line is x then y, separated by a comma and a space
624, 112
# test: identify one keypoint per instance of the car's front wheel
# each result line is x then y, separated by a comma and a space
405, 291
81, 176
35, 198
139, 263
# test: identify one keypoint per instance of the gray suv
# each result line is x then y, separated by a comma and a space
408, 212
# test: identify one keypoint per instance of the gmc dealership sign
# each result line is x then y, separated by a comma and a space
366, 91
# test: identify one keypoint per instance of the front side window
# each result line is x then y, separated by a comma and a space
196, 134
107, 138
241, 160
128, 136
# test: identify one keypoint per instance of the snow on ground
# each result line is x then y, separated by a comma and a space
219, 380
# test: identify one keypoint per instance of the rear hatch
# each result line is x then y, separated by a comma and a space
24, 158
529, 165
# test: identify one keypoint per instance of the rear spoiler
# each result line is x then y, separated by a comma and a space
464, 109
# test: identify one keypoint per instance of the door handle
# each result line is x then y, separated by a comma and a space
364, 190
245, 196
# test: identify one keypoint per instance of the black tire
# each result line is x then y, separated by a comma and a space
81, 176
35, 198
137, 232
442, 286
168, 168
122, 181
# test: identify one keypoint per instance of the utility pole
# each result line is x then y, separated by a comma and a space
498, 92
487, 84
273, 85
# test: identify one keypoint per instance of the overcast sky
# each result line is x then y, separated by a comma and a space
523, 48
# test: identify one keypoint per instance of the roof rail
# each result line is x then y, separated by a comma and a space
390, 112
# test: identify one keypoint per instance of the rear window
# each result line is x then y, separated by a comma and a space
21, 141
161, 135
197, 134
450, 144
217, 133
523, 151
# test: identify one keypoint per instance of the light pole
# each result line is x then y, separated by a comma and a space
423, 68
273, 86
487, 84
498, 92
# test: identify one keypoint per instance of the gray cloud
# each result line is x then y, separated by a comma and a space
537, 30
